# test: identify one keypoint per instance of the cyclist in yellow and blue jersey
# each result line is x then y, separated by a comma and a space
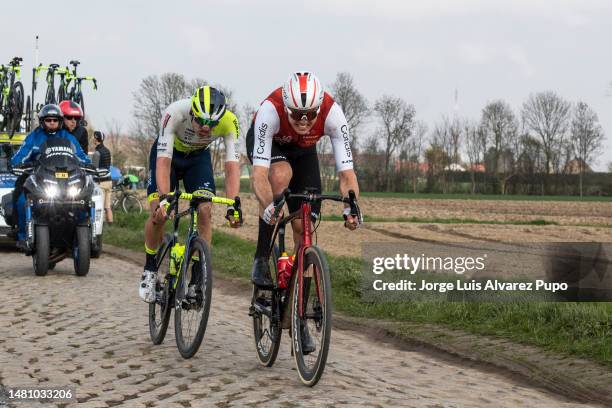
181, 152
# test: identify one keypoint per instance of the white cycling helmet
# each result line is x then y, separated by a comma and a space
302, 91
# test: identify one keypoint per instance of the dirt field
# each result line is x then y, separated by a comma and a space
339, 241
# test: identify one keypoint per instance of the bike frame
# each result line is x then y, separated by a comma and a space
8, 77
305, 243
193, 226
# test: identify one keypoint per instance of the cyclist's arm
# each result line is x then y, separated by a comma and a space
267, 123
232, 157
336, 127
165, 146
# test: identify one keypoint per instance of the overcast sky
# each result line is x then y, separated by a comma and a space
419, 50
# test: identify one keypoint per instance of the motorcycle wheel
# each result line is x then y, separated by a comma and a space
81, 250
41, 254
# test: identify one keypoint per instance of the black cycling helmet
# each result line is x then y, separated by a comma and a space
50, 111
99, 136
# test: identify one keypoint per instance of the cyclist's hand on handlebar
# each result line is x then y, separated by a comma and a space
350, 221
161, 212
234, 216
268, 214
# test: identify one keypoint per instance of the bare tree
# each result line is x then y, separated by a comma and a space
587, 137
610, 167
397, 119
353, 104
500, 127
113, 142
476, 145
547, 115
154, 94
414, 150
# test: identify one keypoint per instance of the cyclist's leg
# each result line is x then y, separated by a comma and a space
279, 175
153, 231
306, 175
199, 179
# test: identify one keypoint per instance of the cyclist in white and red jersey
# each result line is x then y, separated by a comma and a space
281, 145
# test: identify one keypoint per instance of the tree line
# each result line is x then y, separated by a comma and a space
538, 149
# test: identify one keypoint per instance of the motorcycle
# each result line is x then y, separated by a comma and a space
59, 208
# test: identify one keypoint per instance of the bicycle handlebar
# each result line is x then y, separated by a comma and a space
351, 200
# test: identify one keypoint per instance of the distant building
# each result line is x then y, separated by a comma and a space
574, 166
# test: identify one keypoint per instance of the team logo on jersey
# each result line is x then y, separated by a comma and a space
284, 139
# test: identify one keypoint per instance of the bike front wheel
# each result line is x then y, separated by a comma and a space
311, 329
15, 108
193, 295
159, 312
131, 204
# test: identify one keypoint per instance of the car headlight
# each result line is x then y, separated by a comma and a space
51, 191
73, 191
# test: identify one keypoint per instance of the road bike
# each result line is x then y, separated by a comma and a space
184, 277
11, 96
301, 299
50, 95
76, 92
126, 199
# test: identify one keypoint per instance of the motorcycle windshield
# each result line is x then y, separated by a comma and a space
58, 153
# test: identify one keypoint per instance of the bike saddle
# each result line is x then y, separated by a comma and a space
16, 60
53, 66
75, 62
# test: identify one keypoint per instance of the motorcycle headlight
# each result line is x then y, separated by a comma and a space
51, 191
73, 191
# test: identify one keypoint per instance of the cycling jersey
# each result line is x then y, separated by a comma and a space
177, 132
272, 125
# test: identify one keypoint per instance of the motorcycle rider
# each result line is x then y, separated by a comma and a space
73, 118
50, 119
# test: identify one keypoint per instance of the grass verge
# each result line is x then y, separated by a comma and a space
578, 329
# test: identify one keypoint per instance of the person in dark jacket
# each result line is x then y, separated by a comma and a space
102, 159
73, 119
50, 118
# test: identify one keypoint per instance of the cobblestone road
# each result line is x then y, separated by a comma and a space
92, 333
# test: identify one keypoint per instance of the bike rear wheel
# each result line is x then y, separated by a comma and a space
28, 115
193, 295
131, 204
81, 101
50, 95
315, 287
61, 93
267, 329
159, 312
15, 108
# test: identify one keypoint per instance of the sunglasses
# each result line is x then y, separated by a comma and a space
51, 120
72, 117
205, 122
298, 115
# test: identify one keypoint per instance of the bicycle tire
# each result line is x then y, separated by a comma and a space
267, 333
200, 301
61, 93
165, 302
28, 115
78, 98
15, 108
313, 256
50, 95
131, 204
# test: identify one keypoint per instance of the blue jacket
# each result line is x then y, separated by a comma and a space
30, 149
